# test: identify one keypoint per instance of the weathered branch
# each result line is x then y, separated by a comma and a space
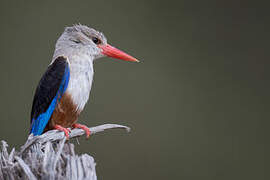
56, 135
49, 156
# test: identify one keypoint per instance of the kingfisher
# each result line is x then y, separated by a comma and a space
64, 88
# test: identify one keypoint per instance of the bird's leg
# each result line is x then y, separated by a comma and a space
65, 130
83, 127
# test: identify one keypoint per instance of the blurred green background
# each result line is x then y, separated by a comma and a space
198, 103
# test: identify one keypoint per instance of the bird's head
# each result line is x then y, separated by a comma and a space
82, 39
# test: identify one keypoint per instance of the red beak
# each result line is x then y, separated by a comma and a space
113, 52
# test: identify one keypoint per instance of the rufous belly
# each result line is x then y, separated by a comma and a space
65, 113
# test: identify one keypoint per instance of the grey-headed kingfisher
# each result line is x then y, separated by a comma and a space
64, 88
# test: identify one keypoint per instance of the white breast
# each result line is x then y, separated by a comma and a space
81, 77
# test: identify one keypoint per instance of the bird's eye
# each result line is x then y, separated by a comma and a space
96, 40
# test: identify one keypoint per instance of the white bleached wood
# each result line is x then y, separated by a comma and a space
55, 135
50, 156
25, 168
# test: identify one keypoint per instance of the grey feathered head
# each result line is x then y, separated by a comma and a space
80, 39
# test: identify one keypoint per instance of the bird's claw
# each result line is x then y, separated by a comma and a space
65, 130
83, 127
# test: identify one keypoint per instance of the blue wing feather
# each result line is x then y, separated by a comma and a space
46, 98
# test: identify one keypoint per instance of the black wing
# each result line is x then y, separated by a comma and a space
50, 89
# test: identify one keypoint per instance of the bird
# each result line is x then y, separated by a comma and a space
64, 88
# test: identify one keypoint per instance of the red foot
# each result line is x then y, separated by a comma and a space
85, 128
65, 130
